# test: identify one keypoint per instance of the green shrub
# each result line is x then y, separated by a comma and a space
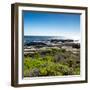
57, 62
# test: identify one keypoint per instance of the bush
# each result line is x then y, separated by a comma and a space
55, 63
77, 71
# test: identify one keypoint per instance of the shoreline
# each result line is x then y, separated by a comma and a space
67, 44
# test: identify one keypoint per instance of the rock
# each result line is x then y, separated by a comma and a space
35, 43
34, 72
76, 46
61, 40
58, 58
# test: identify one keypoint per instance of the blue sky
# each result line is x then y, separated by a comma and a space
51, 24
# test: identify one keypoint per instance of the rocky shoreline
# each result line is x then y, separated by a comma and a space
67, 44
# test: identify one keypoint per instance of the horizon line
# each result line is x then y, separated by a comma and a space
54, 36
44, 35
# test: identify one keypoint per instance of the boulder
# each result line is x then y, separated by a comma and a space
34, 72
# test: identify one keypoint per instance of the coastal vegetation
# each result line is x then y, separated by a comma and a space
52, 62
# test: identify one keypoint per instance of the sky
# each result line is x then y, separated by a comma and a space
51, 24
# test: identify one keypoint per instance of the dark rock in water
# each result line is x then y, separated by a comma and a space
61, 40
55, 40
68, 40
34, 72
35, 43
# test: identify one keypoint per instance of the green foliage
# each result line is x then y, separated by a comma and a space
77, 71
57, 62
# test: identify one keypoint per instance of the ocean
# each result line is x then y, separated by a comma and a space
28, 39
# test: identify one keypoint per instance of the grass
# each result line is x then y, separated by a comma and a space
55, 62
